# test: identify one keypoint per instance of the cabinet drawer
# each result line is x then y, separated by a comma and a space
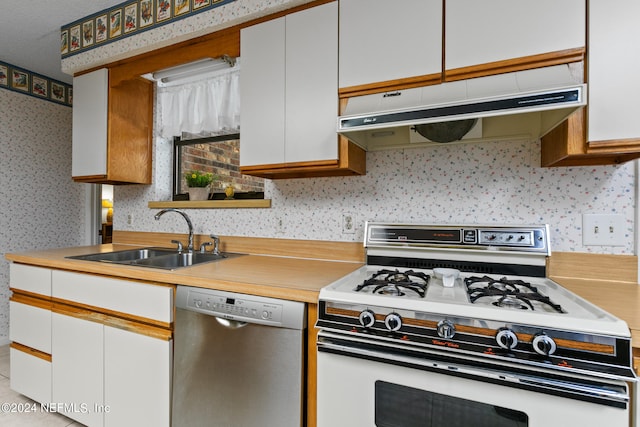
30, 326
137, 299
30, 375
31, 279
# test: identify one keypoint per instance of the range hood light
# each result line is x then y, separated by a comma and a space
195, 68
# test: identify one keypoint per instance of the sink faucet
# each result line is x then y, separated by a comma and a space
186, 218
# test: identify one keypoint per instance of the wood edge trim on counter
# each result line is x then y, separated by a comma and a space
31, 300
516, 64
126, 322
31, 351
390, 85
579, 265
312, 249
212, 204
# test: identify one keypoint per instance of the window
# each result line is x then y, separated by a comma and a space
219, 155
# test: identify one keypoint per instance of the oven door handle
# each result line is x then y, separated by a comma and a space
613, 393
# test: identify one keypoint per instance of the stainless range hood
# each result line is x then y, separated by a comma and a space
519, 105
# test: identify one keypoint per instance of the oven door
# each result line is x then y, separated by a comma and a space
364, 384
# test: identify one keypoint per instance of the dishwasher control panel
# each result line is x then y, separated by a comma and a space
242, 307
234, 307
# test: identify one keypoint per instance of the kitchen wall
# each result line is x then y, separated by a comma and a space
475, 183
40, 206
495, 182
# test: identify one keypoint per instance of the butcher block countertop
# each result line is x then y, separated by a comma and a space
297, 279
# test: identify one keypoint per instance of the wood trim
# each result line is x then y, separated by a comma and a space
212, 204
515, 64
390, 85
618, 146
566, 145
59, 302
45, 304
31, 351
610, 268
312, 249
90, 178
130, 131
105, 317
351, 162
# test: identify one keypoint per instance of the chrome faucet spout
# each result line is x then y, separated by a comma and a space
186, 218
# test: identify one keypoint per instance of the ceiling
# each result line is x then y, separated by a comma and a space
30, 32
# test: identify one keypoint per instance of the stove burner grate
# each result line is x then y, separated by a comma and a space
507, 293
396, 283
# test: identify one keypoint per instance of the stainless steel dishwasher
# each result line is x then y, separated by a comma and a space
238, 360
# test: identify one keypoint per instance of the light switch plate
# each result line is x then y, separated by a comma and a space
603, 230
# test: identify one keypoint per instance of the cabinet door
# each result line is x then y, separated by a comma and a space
36, 280
30, 326
89, 135
311, 102
30, 375
262, 93
613, 85
77, 368
137, 379
481, 32
383, 40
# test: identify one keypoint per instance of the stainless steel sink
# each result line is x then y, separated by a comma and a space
183, 259
164, 258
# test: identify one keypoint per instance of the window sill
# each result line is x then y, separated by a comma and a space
212, 204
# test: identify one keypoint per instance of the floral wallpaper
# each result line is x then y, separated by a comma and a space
480, 183
40, 206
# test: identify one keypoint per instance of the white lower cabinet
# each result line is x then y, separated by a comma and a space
137, 379
78, 368
30, 375
106, 376
96, 349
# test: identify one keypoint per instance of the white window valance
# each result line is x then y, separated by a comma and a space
204, 106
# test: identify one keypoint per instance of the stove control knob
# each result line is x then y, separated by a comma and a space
393, 321
506, 338
367, 318
446, 329
543, 344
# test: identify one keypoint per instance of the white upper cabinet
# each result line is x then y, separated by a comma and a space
614, 33
481, 32
382, 40
89, 135
262, 93
289, 88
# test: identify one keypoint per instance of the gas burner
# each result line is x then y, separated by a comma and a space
395, 283
513, 294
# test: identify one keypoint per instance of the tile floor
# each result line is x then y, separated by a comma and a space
23, 419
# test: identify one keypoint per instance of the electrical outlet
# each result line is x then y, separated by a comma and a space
130, 219
602, 230
348, 226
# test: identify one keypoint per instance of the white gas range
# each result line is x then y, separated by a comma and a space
467, 305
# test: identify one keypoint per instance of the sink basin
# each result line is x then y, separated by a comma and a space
125, 256
184, 259
163, 258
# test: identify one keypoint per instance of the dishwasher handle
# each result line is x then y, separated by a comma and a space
230, 323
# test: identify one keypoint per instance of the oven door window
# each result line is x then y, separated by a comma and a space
401, 406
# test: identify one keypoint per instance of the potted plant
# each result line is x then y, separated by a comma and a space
198, 183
